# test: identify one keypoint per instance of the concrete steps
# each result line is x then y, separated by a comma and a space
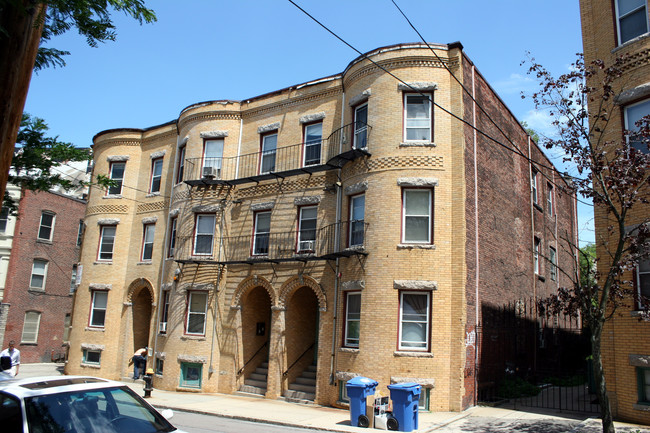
256, 383
303, 390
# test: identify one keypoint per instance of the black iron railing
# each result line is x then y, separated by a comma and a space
241, 370
345, 144
286, 373
277, 247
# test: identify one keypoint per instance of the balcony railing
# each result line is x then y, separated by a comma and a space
273, 247
331, 153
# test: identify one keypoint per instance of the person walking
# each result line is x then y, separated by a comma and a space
139, 362
10, 360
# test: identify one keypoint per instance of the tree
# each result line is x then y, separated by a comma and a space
24, 24
613, 173
587, 261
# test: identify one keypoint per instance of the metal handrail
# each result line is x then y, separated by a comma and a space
296, 361
241, 370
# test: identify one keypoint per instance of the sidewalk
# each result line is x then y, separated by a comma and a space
477, 419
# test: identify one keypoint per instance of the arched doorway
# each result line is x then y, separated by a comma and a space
256, 328
301, 341
142, 311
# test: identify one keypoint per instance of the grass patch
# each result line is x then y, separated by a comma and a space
516, 387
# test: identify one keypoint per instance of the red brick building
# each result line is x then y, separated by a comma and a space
42, 266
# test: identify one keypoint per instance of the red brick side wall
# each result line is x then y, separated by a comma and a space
61, 253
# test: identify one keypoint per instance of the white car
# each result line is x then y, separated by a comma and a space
76, 404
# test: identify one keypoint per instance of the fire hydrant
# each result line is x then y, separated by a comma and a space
148, 382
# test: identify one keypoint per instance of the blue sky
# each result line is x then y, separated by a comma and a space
203, 50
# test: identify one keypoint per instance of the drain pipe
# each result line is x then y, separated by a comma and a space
476, 241
337, 244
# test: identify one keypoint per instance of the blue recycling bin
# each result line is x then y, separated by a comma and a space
406, 397
358, 389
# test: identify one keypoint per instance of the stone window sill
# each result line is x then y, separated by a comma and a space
185, 389
404, 354
44, 241
88, 328
348, 350
193, 337
111, 196
642, 407
417, 144
103, 263
35, 290
83, 364
144, 263
416, 247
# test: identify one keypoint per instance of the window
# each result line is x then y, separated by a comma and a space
417, 117
80, 232
425, 397
262, 233
549, 198
156, 175
181, 164
360, 140
66, 326
46, 227
4, 216
414, 321
106, 243
416, 211
632, 19
92, 356
30, 327
203, 235
117, 176
643, 387
147, 242
633, 114
307, 228
343, 392
190, 375
172, 238
212, 156
98, 308
552, 257
533, 184
313, 136
643, 279
165, 312
196, 313
357, 224
536, 246
269, 149
352, 318
39, 272
73, 279
160, 363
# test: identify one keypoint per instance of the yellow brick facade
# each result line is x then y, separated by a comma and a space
286, 308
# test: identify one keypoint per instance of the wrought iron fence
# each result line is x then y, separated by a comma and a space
276, 246
330, 153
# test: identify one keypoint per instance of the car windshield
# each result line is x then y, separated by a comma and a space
108, 410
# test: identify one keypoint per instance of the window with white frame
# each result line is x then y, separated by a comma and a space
46, 227
204, 234
98, 308
632, 19
360, 140
552, 258
212, 158
313, 134
80, 232
643, 280
549, 198
172, 238
633, 114
181, 164
30, 327
357, 223
262, 233
4, 217
415, 320
536, 245
417, 211
149, 231
533, 185
197, 304
106, 242
417, 117
73, 279
39, 273
117, 176
307, 222
352, 318
156, 175
269, 149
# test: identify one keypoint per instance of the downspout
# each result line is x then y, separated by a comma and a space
337, 241
476, 241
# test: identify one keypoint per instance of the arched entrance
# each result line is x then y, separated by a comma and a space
137, 321
141, 318
301, 341
256, 329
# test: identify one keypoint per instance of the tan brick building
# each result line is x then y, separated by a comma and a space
613, 28
351, 225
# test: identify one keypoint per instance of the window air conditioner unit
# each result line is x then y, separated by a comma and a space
211, 172
162, 328
306, 246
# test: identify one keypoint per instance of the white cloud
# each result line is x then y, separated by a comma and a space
514, 84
